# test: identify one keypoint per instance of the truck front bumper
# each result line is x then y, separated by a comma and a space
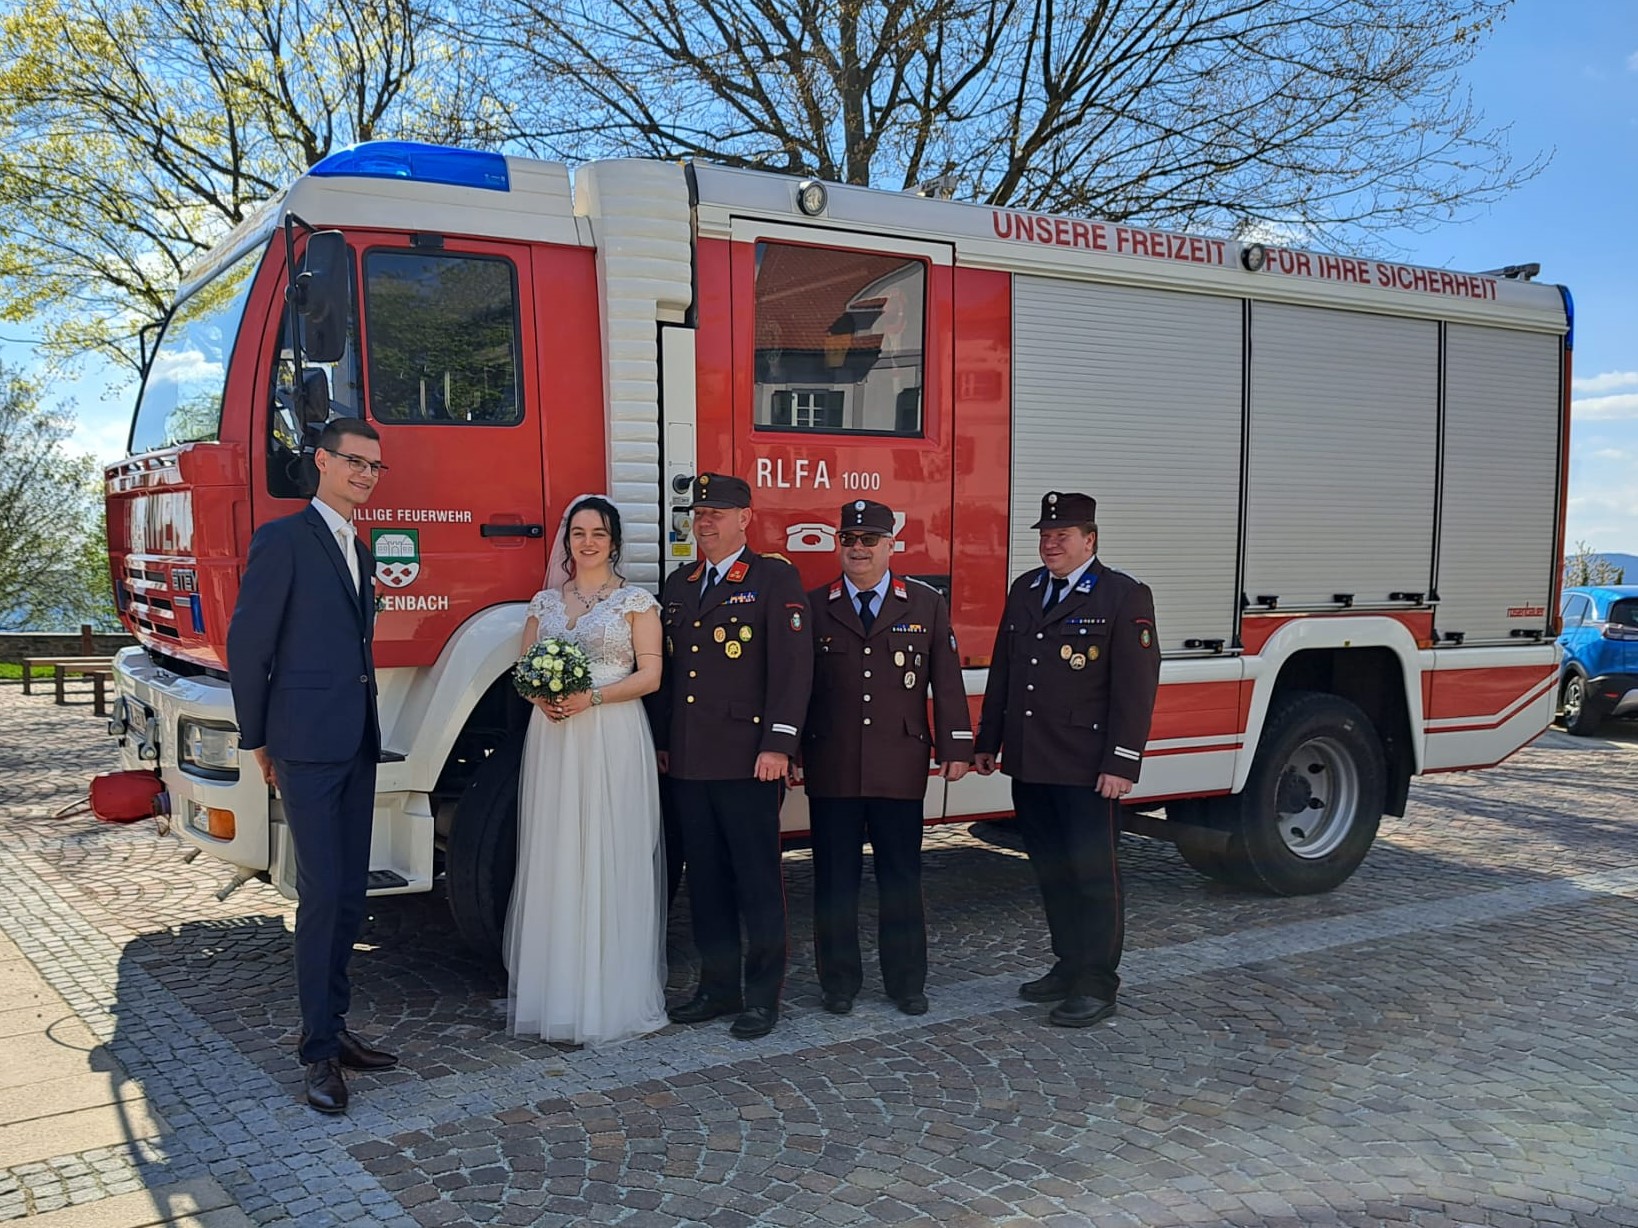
228, 812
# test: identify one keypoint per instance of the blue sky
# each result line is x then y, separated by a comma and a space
1564, 75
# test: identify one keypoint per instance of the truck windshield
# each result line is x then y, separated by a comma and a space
181, 398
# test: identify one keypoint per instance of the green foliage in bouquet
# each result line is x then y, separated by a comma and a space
552, 669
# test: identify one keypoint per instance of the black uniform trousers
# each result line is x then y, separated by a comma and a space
893, 826
330, 808
1070, 833
730, 831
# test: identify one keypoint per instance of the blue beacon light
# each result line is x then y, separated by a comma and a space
462, 168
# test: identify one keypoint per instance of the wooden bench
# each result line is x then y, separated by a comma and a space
98, 670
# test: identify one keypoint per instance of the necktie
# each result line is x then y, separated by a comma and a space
710, 580
345, 540
866, 614
1055, 591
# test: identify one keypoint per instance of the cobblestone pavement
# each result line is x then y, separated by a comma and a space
1446, 1040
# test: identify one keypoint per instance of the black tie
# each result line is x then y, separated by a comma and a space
1056, 591
866, 614
710, 580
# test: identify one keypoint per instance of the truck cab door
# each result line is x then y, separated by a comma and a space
842, 391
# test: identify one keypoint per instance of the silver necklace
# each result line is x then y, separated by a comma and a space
586, 603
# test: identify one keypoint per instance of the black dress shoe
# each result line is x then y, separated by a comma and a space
755, 1021
912, 1003
838, 1003
1049, 988
702, 1007
356, 1055
1080, 1011
326, 1089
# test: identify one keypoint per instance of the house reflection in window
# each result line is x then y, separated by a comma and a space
840, 339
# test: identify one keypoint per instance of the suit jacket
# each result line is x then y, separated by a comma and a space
300, 646
1072, 689
738, 668
867, 733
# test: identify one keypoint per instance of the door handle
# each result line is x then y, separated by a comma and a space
512, 530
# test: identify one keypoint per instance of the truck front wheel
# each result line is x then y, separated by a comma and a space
1314, 799
481, 851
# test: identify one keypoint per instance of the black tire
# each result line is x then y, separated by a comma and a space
1579, 719
1317, 753
481, 852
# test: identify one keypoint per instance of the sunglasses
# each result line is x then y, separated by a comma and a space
861, 539
360, 464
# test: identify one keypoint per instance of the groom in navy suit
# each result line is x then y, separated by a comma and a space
303, 677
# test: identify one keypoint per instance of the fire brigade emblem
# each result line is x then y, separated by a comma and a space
397, 556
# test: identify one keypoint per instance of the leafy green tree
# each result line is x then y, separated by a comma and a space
53, 551
135, 133
1337, 118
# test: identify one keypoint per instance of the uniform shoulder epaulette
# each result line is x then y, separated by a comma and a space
921, 584
776, 557
1124, 575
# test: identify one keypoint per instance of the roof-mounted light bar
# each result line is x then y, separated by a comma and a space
410, 160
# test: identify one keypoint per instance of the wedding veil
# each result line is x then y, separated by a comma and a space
557, 555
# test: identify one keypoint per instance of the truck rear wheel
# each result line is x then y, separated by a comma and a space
481, 852
1314, 799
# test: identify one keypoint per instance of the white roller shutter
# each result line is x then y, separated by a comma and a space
1344, 432
1496, 555
1133, 396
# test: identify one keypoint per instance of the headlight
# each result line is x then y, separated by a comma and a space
209, 749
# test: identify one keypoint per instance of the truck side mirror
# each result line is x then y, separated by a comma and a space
314, 406
321, 291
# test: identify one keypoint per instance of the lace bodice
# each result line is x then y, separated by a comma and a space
602, 632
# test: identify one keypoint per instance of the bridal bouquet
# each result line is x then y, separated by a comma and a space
552, 669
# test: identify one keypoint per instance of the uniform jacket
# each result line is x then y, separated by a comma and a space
300, 646
738, 668
867, 733
1072, 689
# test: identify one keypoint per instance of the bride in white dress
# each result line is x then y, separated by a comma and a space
585, 930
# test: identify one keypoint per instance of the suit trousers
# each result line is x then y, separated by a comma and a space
893, 826
330, 808
730, 831
1070, 833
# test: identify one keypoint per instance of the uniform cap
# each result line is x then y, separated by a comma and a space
867, 516
1061, 510
719, 490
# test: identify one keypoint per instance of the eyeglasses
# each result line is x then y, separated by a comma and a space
866, 540
360, 464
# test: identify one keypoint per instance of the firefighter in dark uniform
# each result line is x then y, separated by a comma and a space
738, 668
1070, 696
879, 640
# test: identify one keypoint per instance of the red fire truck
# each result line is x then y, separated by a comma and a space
1343, 478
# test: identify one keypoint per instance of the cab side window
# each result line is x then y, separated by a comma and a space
442, 335
840, 340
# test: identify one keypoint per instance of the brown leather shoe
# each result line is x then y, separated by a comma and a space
326, 1088
357, 1055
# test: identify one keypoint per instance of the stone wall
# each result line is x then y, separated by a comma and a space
15, 645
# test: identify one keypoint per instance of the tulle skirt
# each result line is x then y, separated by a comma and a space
585, 930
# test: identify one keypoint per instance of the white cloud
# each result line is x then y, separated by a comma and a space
1632, 62
1614, 454
1621, 407
1609, 381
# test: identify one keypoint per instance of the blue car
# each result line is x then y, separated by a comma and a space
1599, 679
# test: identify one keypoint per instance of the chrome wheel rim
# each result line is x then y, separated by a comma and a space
1573, 696
1317, 797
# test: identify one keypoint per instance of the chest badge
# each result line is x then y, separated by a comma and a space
1077, 661
910, 680
898, 658
1066, 652
1091, 652
719, 635
733, 649
745, 634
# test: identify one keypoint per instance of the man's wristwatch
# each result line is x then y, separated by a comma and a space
597, 696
